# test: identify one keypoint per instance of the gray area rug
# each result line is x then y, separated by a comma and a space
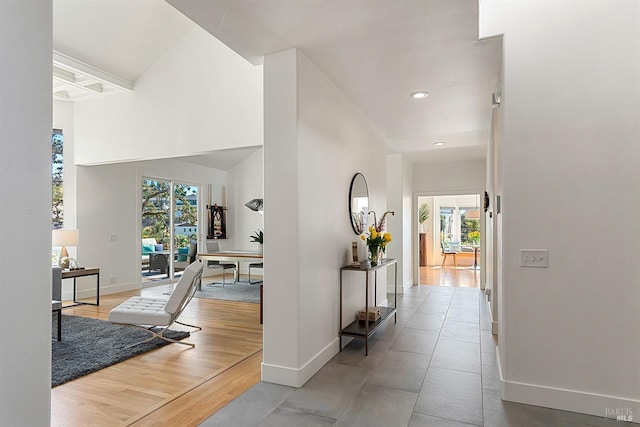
89, 345
240, 291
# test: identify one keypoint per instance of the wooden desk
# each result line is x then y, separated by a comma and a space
74, 274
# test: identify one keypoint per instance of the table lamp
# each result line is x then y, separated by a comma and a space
64, 238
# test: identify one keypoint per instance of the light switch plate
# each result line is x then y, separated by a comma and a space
534, 258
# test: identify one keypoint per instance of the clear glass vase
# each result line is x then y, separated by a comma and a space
374, 256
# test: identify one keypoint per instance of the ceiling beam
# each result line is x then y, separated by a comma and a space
66, 62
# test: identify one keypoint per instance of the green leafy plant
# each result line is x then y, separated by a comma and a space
423, 213
257, 237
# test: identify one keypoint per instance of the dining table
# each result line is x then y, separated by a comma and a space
235, 256
475, 255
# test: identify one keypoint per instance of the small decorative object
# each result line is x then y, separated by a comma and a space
354, 253
382, 225
377, 244
217, 222
486, 201
373, 314
258, 237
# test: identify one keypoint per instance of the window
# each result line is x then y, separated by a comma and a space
446, 223
57, 172
459, 218
469, 223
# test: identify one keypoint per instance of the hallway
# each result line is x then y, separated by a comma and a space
435, 367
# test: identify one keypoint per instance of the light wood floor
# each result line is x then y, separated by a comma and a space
176, 385
173, 385
463, 277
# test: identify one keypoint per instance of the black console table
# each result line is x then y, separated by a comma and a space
364, 328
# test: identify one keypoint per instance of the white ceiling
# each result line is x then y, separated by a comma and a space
377, 51
221, 159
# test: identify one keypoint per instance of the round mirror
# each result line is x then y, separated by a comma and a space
358, 203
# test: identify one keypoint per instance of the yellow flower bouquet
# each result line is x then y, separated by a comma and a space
377, 244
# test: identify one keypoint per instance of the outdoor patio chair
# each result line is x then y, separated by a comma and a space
189, 258
152, 314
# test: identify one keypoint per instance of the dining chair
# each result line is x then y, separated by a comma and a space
255, 265
446, 251
213, 246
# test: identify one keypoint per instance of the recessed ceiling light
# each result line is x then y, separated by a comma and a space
419, 95
438, 143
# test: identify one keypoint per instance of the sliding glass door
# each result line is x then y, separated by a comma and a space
169, 224
185, 224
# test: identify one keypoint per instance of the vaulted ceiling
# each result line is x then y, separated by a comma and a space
376, 51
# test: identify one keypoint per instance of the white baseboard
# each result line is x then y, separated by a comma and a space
494, 322
297, 377
572, 400
90, 290
569, 400
407, 285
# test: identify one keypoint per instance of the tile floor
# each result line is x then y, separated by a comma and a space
435, 367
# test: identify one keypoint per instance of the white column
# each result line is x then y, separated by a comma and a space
25, 252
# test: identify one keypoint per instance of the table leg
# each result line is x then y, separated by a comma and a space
75, 292
59, 334
261, 304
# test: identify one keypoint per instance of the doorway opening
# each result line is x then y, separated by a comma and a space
449, 240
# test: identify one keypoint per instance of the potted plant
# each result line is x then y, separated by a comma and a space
423, 215
258, 237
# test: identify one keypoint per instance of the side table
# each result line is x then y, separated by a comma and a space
74, 274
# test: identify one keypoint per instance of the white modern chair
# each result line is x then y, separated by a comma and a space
149, 313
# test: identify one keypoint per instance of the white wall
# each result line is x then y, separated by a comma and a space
245, 183
315, 141
449, 177
25, 255
109, 203
200, 96
571, 101
400, 225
